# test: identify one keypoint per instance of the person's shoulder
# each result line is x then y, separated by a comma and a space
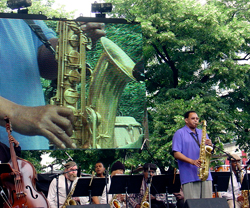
181, 129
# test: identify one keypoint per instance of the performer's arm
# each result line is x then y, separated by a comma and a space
95, 200
180, 156
53, 122
46, 60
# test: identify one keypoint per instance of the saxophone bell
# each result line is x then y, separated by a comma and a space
69, 200
115, 203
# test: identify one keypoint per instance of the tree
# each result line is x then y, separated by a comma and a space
194, 55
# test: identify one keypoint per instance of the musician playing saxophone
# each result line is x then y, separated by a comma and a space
65, 184
117, 168
237, 178
21, 96
141, 200
186, 149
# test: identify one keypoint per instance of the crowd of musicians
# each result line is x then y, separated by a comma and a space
186, 150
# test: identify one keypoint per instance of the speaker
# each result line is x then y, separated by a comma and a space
206, 203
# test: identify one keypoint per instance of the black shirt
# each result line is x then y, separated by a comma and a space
5, 152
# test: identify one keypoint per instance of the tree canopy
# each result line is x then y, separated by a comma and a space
196, 59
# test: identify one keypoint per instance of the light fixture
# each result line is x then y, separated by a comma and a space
101, 8
18, 4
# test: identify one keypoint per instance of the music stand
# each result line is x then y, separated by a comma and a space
161, 182
84, 188
125, 184
121, 184
5, 168
166, 184
220, 181
245, 185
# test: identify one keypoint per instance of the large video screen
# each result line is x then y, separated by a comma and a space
98, 78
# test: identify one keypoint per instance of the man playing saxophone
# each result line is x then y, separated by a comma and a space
21, 96
141, 200
186, 149
237, 180
66, 183
116, 169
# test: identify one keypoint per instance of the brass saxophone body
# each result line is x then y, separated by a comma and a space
69, 201
144, 202
71, 58
114, 203
94, 107
245, 203
244, 193
205, 155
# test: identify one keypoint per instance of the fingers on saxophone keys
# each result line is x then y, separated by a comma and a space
61, 141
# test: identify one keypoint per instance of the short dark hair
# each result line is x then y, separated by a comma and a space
150, 166
99, 162
117, 166
186, 115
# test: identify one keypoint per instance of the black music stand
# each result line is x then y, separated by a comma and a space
85, 188
5, 168
127, 184
169, 183
121, 184
220, 181
245, 185
166, 184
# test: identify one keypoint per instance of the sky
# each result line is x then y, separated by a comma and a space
82, 7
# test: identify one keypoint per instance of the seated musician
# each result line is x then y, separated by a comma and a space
117, 168
99, 169
237, 179
136, 200
66, 184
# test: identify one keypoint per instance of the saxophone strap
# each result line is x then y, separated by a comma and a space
68, 188
196, 139
40, 34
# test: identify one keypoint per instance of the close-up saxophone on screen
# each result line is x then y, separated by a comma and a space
94, 107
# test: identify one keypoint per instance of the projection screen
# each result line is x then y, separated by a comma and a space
101, 82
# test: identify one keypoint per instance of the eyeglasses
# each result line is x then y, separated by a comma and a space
151, 171
235, 161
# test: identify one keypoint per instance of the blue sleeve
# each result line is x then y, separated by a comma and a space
49, 33
177, 142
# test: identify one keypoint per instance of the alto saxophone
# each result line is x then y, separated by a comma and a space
114, 203
144, 201
94, 110
245, 202
69, 201
205, 155
244, 193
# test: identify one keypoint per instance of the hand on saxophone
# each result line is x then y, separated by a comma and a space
53, 122
197, 163
208, 142
94, 30
240, 199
